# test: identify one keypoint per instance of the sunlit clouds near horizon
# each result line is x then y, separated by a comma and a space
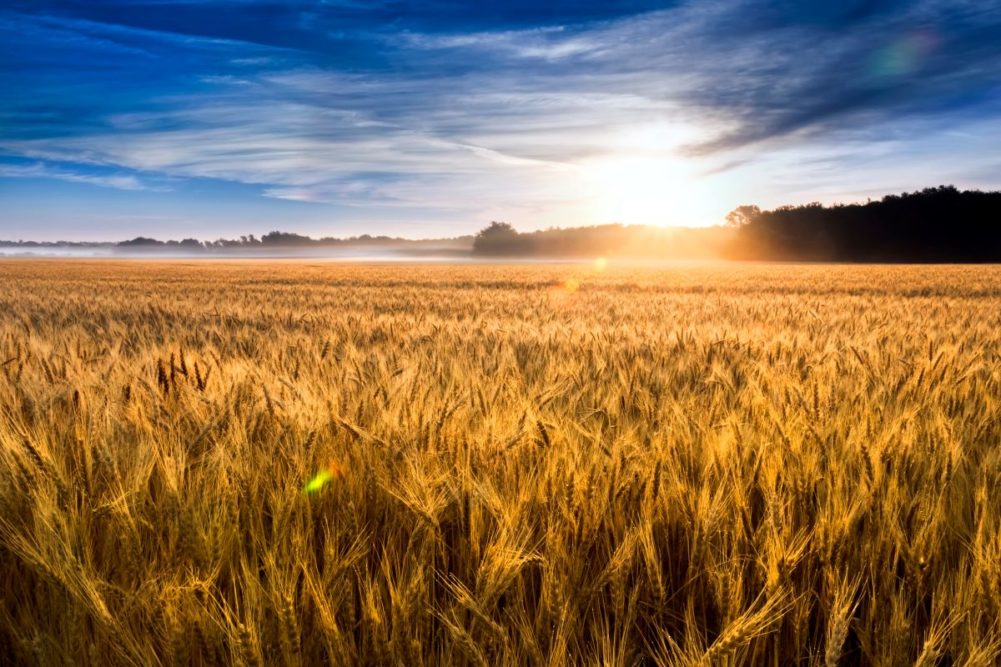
430, 119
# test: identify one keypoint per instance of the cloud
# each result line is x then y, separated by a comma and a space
803, 78
40, 170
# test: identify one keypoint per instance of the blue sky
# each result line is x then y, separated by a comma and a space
339, 117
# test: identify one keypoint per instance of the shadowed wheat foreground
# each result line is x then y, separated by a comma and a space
519, 465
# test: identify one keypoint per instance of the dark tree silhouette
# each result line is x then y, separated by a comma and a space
939, 224
498, 238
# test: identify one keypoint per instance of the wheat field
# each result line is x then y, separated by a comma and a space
291, 463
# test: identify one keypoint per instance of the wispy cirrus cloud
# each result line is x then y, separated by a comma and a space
41, 170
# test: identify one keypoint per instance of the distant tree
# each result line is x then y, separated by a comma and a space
498, 230
742, 215
498, 238
141, 241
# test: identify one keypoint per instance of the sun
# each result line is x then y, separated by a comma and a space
642, 178
643, 191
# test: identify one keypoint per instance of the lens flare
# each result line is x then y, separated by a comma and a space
321, 478
903, 55
600, 264
571, 285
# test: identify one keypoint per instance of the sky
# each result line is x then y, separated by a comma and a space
211, 119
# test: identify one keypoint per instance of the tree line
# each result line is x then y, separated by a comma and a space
277, 240
500, 239
941, 224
